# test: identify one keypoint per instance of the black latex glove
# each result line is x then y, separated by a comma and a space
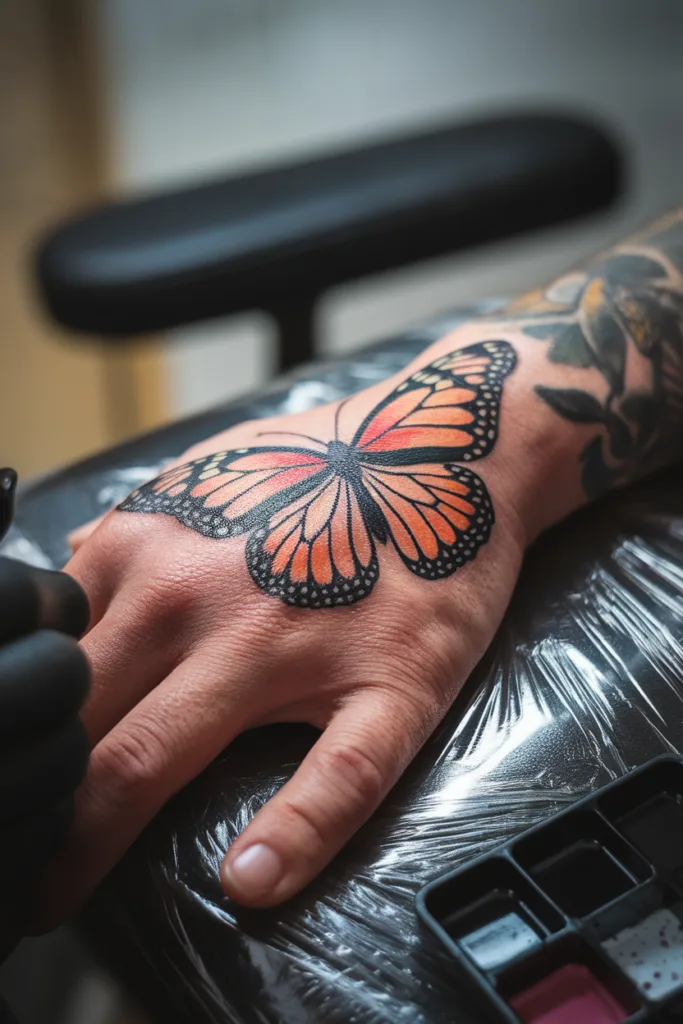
43, 748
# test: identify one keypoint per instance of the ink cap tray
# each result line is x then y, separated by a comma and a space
579, 920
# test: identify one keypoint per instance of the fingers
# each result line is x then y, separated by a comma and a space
28, 841
339, 784
43, 680
38, 773
64, 606
142, 620
100, 566
25, 845
171, 736
39, 598
129, 658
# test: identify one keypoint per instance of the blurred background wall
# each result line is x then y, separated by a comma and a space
172, 90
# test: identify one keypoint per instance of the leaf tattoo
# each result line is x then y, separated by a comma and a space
625, 307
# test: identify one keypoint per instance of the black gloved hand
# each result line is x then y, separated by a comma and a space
43, 747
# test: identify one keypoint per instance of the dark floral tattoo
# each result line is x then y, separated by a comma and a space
623, 316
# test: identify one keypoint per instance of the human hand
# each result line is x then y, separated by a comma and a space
224, 609
43, 681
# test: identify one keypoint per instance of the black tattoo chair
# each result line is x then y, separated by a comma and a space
554, 709
276, 240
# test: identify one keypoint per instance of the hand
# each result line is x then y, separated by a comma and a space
43, 681
209, 619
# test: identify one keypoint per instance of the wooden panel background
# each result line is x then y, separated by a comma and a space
60, 397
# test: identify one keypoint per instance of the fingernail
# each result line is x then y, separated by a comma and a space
253, 872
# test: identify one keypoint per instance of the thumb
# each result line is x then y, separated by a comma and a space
337, 787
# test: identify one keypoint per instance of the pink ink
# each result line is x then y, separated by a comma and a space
569, 995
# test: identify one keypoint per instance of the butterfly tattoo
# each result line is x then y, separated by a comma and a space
313, 515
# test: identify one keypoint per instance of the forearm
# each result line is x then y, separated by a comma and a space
596, 400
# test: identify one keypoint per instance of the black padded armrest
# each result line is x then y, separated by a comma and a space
264, 239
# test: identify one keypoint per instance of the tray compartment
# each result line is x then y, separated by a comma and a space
567, 982
580, 862
648, 810
643, 936
492, 913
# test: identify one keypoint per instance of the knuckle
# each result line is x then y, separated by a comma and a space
118, 530
299, 814
169, 592
133, 758
417, 706
422, 673
353, 768
167, 600
351, 784
431, 662
441, 674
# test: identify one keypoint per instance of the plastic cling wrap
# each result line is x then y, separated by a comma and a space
583, 681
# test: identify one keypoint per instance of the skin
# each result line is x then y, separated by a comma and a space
187, 652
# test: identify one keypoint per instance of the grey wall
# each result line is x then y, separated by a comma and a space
198, 86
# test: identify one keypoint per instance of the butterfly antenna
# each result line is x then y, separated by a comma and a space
336, 418
289, 433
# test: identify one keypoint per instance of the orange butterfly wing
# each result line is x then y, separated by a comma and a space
312, 528
437, 516
309, 542
318, 551
446, 412
229, 493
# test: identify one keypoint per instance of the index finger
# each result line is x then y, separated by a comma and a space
161, 745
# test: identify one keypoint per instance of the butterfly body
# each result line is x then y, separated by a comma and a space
343, 462
313, 517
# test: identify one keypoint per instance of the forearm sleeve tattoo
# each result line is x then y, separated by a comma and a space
621, 320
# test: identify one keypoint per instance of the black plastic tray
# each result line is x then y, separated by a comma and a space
580, 916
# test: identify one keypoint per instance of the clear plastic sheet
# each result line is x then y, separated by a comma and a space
583, 681
16, 545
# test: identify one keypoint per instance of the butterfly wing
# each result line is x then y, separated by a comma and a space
309, 542
446, 412
312, 530
316, 552
229, 493
437, 516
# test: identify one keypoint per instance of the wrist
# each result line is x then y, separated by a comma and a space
533, 472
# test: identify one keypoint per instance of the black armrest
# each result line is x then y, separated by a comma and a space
278, 238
